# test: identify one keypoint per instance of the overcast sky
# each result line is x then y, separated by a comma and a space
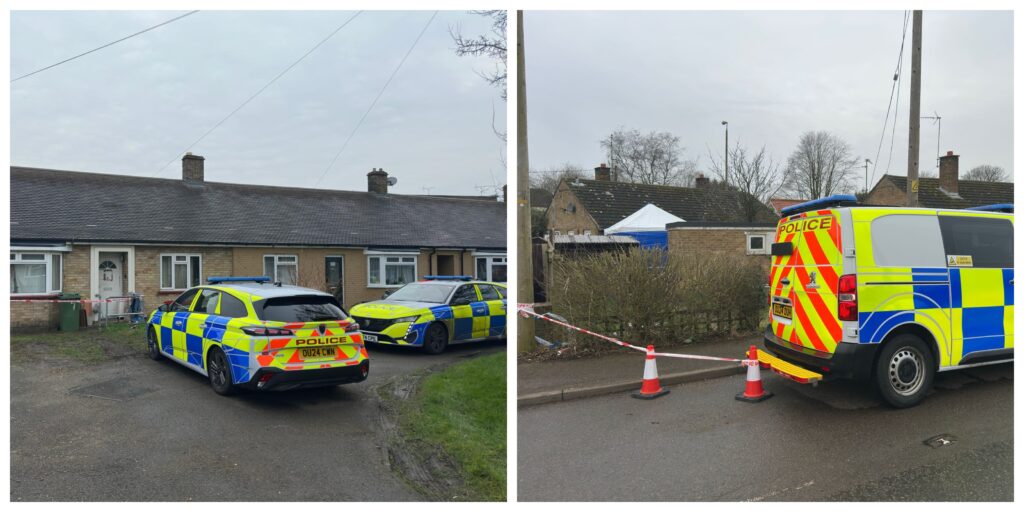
772, 76
131, 108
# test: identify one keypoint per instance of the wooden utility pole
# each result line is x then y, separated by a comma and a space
914, 144
524, 240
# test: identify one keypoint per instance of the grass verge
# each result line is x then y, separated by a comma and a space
86, 345
461, 410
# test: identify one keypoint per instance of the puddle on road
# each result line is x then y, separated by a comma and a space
119, 389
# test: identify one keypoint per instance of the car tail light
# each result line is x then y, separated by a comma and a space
352, 327
266, 331
848, 297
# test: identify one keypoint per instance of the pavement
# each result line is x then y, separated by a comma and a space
556, 380
133, 429
833, 442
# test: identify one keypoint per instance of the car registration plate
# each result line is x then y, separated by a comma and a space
783, 311
317, 353
372, 338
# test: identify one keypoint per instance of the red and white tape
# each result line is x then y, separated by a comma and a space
527, 311
80, 301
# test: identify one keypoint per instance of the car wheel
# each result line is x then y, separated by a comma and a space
219, 371
436, 339
904, 371
152, 347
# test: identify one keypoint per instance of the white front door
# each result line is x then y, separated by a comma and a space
111, 274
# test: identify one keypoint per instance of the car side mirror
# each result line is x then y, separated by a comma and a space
162, 308
387, 294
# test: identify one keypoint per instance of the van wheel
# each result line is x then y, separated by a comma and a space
152, 347
219, 371
436, 339
904, 371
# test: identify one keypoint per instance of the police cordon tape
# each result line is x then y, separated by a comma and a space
79, 301
650, 387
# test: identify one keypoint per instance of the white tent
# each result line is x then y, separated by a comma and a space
648, 218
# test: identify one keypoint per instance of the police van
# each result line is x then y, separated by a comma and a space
249, 333
888, 294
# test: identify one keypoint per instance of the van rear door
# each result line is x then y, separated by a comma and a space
806, 265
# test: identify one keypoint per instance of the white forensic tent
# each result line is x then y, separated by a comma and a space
648, 218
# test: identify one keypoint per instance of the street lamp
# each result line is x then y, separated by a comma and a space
866, 162
726, 125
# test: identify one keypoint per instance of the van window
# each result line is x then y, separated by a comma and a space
907, 241
988, 241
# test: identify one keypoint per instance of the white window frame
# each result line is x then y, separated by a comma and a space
490, 257
382, 256
188, 270
765, 246
17, 259
274, 278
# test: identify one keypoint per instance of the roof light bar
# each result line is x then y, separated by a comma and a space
237, 279
448, 278
818, 204
1001, 207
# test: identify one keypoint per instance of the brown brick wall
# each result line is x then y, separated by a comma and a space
563, 221
216, 261
886, 194
33, 316
705, 243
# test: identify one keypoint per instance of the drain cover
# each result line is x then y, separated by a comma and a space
940, 440
119, 389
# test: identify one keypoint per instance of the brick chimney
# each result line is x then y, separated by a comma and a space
701, 181
192, 167
602, 173
949, 173
377, 181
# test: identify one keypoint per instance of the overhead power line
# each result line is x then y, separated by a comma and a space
112, 43
893, 93
257, 93
374, 102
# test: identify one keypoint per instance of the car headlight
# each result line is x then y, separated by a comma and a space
406, 319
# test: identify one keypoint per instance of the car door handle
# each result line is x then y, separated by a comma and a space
785, 281
177, 324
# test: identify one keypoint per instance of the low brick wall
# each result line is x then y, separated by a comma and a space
34, 316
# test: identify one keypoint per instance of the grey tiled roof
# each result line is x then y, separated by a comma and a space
611, 201
49, 205
972, 193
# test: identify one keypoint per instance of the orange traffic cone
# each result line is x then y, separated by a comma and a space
651, 387
754, 392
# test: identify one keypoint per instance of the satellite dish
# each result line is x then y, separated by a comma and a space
392, 181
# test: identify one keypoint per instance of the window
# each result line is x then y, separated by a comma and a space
281, 268
183, 301
207, 302
907, 241
180, 271
464, 295
232, 307
558, 233
988, 241
391, 270
587, 232
35, 273
756, 243
492, 268
488, 292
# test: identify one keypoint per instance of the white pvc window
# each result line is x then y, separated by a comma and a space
180, 271
391, 270
281, 268
35, 273
492, 268
757, 243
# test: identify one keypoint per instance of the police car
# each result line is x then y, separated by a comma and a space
435, 312
891, 294
247, 333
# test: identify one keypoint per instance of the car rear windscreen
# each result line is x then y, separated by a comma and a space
300, 308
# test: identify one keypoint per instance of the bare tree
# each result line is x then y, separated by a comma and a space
655, 158
986, 172
549, 179
821, 165
756, 175
491, 45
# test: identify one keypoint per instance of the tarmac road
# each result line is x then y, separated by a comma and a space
836, 442
135, 429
